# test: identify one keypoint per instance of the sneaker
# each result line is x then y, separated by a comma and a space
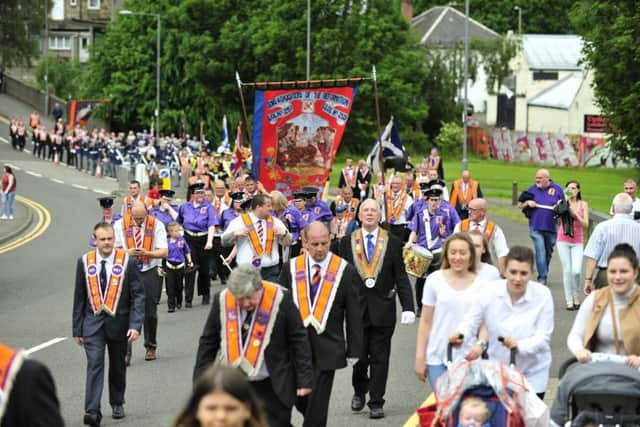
10, 216
3, 217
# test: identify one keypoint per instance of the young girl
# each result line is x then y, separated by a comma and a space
179, 252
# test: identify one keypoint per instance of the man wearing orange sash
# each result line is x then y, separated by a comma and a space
254, 326
463, 191
395, 205
492, 232
257, 235
349, 202
325, 290
144, 238
108, 309
133, 196
348, 176
377, 256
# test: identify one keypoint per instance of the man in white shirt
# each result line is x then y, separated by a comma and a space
145, 239
631, 187
257, 236
395, 204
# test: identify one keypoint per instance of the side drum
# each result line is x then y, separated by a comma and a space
417, 260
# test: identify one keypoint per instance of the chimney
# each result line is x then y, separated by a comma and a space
407, 9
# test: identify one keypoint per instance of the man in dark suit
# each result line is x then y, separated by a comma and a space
108, 310
27, 392
363, 180
377, 256
233, 335
325, 290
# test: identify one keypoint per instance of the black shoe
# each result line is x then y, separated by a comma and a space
357, 402
179, 305
376, 413
188, 305
92, 420
127, 360
171, 310
205, 299
118, 412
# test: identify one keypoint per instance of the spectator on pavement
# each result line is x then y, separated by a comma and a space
619, 229
57, 112
8, 192
542, 197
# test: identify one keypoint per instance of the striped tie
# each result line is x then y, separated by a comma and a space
260, 230
315, 281
137, 236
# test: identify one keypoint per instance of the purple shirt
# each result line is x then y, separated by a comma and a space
162, 216
319, 211
292, 218
178, 249
544, 219
227, 216
418, 224
197, 219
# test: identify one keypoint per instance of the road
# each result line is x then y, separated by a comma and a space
37, 288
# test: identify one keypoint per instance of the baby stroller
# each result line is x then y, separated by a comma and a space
604, 392
503, 388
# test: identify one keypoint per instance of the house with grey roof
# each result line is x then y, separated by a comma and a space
550, 90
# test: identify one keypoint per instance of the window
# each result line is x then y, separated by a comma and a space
85, 42
73, 2
93, 4
60, 42
545, 75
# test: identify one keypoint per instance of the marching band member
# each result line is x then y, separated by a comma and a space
314, 209
164, 211
291, 218
377, 256
106, 203
396, 203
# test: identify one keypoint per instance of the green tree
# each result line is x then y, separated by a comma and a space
611, 31
20, 20
65, 77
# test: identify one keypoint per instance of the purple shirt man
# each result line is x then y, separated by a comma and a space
197, 219
177, 250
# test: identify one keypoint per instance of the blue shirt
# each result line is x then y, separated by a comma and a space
162, 216
292, 218
227, 216
178, 249
319, 211
543, 219
197, 219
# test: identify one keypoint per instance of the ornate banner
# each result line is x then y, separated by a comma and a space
296, 135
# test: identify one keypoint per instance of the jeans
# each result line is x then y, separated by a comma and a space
8, 201
543, 242
434, 372
571, 259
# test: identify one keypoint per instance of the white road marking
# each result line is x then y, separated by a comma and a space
26, 150
38, 175
81, 187
4, 140
44, 345
59, 181
102, 192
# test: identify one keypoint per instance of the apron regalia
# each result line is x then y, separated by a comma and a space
395, 207
250, 356
368, 270
317, 312
10, 363
106, 301
147, 240
254, 239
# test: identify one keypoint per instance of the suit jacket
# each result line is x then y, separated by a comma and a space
379, 302
361, 178
33, 401
330, 349
288, 355
129, 314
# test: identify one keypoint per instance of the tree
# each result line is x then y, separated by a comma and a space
65, 77
611, 31
19, 21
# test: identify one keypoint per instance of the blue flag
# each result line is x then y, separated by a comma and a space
391, 147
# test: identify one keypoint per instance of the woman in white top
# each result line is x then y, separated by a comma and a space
484, 267
594, 328
448, 294
520, 311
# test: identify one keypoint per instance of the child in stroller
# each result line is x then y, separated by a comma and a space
473, 413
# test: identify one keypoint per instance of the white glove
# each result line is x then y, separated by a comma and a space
351, 361
407, 318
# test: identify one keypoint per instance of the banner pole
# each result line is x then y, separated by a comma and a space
378, 125
244, 108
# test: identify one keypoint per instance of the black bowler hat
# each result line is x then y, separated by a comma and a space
167, 194
433, 192
238, 196
106, 202
196, 187
299, 195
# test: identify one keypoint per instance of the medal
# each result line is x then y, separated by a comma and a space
256, 343
370, 282
256, 262
392, 220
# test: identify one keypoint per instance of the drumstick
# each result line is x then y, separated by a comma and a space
225, 263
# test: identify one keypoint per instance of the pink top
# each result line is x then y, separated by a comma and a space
577, 228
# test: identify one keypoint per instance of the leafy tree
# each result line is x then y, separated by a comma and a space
19, 20
65, 77
496, 55
611, 31
450, 138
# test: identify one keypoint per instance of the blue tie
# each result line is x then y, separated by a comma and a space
370, 247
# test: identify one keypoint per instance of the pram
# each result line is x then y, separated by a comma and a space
503, 388
604, 392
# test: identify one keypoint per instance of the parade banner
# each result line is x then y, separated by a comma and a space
80, 110
296, 135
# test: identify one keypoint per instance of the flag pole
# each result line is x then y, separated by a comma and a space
244, 108
380, 148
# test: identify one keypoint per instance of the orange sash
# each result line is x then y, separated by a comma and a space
351, 182
395, 212
249, 357
128, 201
149, 227
460, 196
107, 302
317, 312
258, 250
10, 363
488, 230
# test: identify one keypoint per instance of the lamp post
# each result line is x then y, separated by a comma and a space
45, 50
519, 9
466, 84
157, 16
308, 39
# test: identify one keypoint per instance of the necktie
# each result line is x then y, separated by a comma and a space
137, 236
260, 230
315, 281
476, 226
370, 247
103, 276
246, 325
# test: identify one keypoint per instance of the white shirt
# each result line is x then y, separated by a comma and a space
449, 306
107, 264
365, 239
402, 219
529, 321
488, 273
498, 243
159, 241
243, 244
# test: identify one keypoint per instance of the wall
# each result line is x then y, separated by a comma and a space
544, 119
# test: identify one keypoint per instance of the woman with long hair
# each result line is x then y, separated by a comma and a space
8, 192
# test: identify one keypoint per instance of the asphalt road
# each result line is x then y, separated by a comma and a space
36, 284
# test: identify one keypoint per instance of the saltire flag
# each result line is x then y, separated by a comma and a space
296, 135
391, 147
224, 145
80, 111
237, 167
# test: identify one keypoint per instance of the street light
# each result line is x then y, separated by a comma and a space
519, 9
466, 84
45, 50
308, 38
157, 16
